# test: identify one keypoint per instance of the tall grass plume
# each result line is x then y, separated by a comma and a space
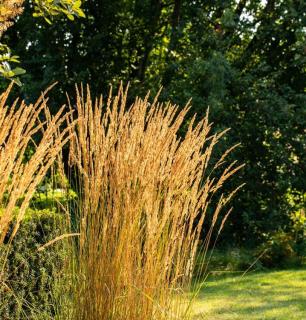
144, 195
30, 141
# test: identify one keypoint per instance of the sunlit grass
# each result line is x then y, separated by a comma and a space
144, 194
278, 295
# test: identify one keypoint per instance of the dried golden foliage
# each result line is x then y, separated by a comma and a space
144, 196
9, 10
19, 178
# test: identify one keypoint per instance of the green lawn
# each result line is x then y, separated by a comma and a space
278, 295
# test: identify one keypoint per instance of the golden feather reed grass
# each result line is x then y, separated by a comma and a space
19, 178
143, 198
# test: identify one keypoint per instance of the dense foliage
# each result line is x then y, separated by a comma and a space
10, 10
28, 287
243, 59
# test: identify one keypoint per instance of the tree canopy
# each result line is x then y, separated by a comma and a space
10, 10
245, 60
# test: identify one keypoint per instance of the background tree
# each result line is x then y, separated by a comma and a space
243, 59
10, 10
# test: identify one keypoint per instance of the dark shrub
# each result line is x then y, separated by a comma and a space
282, 250
27, 283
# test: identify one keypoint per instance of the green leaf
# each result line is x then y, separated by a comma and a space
17, 81
81, 14
18, 71
70, 17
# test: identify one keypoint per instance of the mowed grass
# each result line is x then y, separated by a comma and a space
278, 295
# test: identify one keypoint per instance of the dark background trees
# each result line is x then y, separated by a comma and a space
245, 60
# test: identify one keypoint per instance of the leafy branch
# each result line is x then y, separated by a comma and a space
47, 9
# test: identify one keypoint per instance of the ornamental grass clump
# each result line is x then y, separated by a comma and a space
30, 141
144, 194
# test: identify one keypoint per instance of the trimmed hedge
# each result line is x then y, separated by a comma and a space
28, 277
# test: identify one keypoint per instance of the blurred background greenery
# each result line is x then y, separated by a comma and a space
245, 60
